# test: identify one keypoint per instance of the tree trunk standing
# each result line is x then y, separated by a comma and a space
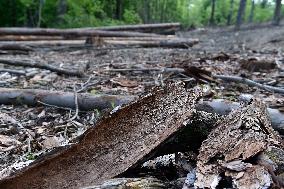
119, 9
146, 12
41, 3
241, 13
277, 13
229, 19
61, 10
163, 10
251, 11
12, 4
211, 21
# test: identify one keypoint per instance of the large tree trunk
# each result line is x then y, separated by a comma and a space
241, 13
251, 11
277, 13
211, 21
229, 19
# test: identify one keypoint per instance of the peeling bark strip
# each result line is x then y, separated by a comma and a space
232, 149
86, 101
115, 144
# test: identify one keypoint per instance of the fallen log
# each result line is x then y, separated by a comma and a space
117, 142
86, 101
41, 66
29, 38
71, 33
171, 43
89, 102
161, 28
151, 28
15, 47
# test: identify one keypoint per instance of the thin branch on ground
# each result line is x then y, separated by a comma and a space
249, 83
41, 66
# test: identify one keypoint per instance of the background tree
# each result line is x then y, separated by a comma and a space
251, 11
277, 13
241, 12
213, 3
229, 20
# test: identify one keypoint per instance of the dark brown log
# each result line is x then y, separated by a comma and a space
41, 66
86, 101
71, 32
117, 142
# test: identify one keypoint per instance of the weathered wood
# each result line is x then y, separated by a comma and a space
232, 149
117, 142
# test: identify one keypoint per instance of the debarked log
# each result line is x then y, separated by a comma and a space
117, 142
71, 32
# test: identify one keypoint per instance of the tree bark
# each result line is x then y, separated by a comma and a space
212, 21
277, 13
229, 19
241, 13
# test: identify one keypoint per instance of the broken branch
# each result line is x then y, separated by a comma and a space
41, 66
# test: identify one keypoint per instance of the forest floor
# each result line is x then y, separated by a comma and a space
254, 53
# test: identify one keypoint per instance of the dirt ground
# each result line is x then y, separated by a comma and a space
28, 132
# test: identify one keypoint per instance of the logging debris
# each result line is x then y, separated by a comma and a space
100, 154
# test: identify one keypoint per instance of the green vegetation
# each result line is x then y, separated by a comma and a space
87, 13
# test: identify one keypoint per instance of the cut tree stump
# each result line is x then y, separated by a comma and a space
118, 141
